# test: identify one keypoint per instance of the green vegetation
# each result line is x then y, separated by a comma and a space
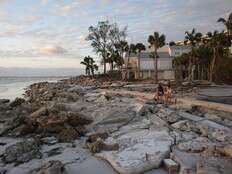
90, 65
156, 41
209, 58
209, 53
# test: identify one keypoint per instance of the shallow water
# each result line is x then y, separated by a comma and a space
12, 87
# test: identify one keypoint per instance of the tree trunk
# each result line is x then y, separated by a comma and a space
139, 66
127, 66
104, 65
212, 65
156, 66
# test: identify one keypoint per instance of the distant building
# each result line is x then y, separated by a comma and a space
147, 68
178, 50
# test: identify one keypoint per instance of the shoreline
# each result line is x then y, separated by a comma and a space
78, 125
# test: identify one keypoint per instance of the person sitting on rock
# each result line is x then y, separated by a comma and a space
159, 95
168, 94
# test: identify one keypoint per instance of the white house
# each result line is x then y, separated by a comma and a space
146, 64
178, 50
147, 68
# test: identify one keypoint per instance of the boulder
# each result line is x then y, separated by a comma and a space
51, 167
99, 146
18, 101
219, 135
228, 150
49, 140
67, 135
77, 89
197, 145
94, 136
21, 152
76, 119
139, 151
214, 165
182, 125
3, 101
39, 112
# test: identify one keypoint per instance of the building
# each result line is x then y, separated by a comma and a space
147, 67
178, 50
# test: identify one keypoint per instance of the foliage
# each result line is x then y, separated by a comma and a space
108, 41
156, 41
90, 65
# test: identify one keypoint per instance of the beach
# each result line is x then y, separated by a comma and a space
85, 125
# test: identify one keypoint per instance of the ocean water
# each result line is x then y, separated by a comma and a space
12, 87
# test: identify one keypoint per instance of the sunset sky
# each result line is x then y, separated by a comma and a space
51, 33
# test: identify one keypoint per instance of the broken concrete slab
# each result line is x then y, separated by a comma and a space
191, 117
171, 166
139, 151
186, 160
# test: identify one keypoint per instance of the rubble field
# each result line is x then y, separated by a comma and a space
72, 127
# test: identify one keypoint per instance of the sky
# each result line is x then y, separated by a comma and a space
51, 33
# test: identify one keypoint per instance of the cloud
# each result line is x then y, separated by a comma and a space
44, 2
51, 50
69, 7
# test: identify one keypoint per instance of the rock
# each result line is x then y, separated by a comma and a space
94, 136
197, 145
186, 160
214, 165
3, 101
77, 89
52, 167
99, 146
171, 166
182, 125
52, 123
40, 112
55, 151
139, 151
228, 150
219, 135
18, 101
67, 135
21, 152
76, 119
49, 140
3, 171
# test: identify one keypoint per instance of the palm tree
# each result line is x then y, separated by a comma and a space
192, 38
131, 49
227, 23
90, 65
219, 43
139, 48
156, 41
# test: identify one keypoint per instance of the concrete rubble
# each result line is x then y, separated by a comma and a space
74, 127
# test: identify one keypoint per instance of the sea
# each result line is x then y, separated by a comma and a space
12, 87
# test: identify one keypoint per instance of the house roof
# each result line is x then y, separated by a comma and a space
148, 55
181, 47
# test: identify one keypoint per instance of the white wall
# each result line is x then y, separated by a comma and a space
148, 64
178, 50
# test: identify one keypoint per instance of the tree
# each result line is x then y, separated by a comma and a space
172, 43
227, 23
156, 41
90, 65
100, 39
219, 43
105, 39
192, 38
130, 50
139, 48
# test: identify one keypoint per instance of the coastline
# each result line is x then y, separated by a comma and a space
78, 124
13, 87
